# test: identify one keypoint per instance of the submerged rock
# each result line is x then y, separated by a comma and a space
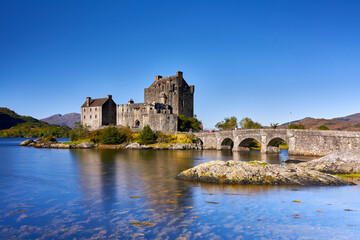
238, 172
337, 163
293, 161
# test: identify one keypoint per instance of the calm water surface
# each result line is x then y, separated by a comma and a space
98, 194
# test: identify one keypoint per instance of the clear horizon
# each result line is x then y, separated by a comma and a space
260, 60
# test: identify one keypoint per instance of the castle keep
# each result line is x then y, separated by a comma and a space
164, 100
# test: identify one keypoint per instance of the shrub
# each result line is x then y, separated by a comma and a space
112, 136
73, 136
162, 137
78, 132
323, 127
187, 123
295, 126
130, 135
147, 136
181, 138
48, 139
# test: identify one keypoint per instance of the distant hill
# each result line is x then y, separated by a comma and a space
63, 120
15, 125
351, 118
9, 118
347, 123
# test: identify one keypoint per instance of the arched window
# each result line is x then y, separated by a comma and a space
137, 123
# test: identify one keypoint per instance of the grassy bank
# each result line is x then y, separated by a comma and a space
122, 135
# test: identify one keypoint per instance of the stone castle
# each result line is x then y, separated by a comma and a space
164, 100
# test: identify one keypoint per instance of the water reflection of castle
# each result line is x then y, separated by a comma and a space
111, 176
120, 186
114, 175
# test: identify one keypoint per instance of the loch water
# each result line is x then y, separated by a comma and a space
133, 194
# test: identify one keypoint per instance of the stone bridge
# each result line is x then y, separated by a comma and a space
300, 142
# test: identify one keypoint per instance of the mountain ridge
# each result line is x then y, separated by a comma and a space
347, 123
68, 119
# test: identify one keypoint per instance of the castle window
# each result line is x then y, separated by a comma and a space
90, 111
90, 116
95, 116
84, 117
84, 110
95, 109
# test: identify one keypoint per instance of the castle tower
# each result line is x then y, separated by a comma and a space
173, 91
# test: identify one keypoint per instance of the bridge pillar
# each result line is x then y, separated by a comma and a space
236, 144
263, 143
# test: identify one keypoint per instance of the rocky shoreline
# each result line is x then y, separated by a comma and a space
38, 143
260, 173
345, 162
312, 173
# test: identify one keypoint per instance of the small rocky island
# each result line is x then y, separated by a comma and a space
40, 143
261, 173
345, 162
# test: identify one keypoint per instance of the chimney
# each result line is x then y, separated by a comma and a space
109, 97
157, 77
179, 74
88, 101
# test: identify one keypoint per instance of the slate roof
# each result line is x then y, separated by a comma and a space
95, 102
165, 79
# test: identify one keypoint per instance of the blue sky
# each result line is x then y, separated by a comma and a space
257, 59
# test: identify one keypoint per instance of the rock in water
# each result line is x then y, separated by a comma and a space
85, 145
337, 163
26, 142
238, 172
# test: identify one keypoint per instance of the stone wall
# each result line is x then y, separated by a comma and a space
91, 117
173, 91
300, 142
109, 113
136, 115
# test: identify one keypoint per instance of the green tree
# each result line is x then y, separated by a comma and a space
79, 131
147, 136
227, 123
323, 127
187, 123
296, 126
247, 123
112, 136
274, 125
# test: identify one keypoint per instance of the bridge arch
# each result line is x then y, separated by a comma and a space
273, 144
227, 144
245, 144
200, 142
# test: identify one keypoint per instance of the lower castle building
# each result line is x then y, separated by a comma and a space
164, 100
